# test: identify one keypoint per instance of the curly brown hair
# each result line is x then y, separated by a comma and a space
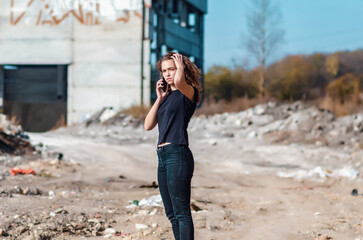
192, 72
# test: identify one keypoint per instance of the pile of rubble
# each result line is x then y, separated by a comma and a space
112, 127
12, 138
287, 123
19, 190
297, 122
109, 117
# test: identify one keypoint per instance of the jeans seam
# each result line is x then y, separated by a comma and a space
180, 163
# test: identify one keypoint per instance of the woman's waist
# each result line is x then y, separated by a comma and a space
169, 146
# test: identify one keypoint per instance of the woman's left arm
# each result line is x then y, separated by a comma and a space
179, 78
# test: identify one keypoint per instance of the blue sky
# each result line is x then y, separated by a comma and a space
311, 26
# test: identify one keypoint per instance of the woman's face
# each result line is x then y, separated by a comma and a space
168, 69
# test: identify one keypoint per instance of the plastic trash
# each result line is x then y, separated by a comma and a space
140, 226
107, 114
319, 172
347, 172
355, 192
109, 232
153, 212
15, 171
154, 201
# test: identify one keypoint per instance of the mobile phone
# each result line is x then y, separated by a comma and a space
165, 85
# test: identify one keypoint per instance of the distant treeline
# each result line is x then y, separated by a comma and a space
296, 77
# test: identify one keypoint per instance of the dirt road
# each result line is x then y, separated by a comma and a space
236, 193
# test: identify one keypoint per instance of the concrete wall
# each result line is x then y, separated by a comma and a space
100, 40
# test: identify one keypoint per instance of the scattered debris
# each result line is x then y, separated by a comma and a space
355, 192
140, 226
56, 223
121, 234
15, 171
19, 190
154, 201
154, 211
108, 116
321, 173
100, 116
152, 185
8, 127
119, 129
14, 144
294, 124
109, 232
12, 138
215, 228
194, 207
305, 187
323, 237
110, 179
46, 173
203, 201
212, 142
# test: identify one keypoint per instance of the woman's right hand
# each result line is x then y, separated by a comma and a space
159, 89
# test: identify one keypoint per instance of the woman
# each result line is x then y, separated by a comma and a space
172, 111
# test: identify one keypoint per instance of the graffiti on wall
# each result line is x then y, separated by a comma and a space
86, 12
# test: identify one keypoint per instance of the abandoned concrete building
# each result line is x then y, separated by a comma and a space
63, 60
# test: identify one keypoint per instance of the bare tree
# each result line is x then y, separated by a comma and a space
264, 34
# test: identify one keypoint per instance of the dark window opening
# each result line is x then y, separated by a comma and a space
35, 96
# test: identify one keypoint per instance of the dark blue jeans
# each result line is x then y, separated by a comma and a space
175, 171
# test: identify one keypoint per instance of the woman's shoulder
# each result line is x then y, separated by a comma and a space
194, 99
179, 95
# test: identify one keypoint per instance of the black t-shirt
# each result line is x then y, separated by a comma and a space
174, 114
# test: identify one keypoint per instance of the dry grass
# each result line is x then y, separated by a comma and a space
236, 105
138, 112
341, 109
241, 104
